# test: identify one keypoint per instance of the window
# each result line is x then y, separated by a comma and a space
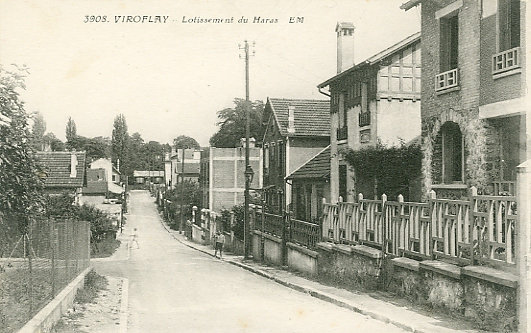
508, 24
452, 153
449, 34
266, 159
343, 109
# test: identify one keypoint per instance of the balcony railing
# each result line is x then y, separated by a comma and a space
364, 119
446, 80
342, 133
506, 60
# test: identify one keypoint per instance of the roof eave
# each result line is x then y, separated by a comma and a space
410, 4
340, 75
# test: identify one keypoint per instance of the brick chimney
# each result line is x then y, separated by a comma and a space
345, 45
291, 119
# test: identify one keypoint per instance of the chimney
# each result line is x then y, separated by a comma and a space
345, 45
73, 164
291, 119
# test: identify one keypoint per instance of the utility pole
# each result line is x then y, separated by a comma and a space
182, 193
246, 226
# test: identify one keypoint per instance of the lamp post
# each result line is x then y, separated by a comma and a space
249, 174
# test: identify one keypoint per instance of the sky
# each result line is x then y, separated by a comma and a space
170, 76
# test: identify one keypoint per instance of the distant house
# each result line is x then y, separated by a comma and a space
311, 183
103, 179
222, 175
179, 167
64, 172
295, 131
377, 100
145, 177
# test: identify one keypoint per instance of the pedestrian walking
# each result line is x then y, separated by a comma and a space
220, 240
134, 239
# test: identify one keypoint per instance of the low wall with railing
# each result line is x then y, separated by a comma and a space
430, 252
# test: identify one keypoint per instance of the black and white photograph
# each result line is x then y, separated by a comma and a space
264, 166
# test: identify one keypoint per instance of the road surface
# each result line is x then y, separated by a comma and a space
173, 288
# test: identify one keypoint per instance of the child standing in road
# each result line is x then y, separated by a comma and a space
134, 238
220, 240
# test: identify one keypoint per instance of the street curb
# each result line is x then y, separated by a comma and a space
124, 305
309, 291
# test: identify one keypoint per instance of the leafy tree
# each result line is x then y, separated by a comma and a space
51, 140
187, 194
38, 130
186, 142
96, 148
71, 129
153, 153
120, 141
21, 188
232, 124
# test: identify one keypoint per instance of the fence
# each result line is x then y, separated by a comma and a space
480, 230
40, 264
300, 232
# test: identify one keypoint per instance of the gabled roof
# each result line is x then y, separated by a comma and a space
375, 58
410, 4
312, 116
345, 25
317, 167
56, 165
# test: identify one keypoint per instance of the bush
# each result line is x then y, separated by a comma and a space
93, 284
61, 207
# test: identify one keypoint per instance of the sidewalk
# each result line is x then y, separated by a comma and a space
383, 310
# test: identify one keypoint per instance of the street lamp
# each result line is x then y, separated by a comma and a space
249, 174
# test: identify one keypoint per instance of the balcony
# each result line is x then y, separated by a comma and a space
446, 80
506, 61
342, 133
364, 119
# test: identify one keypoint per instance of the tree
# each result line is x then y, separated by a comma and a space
119, 143
186, 142
38, 130
71, 130
232, 124
49, 139
21, 188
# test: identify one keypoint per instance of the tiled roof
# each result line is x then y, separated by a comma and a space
317, 167
97, 187
312, 117
56, 165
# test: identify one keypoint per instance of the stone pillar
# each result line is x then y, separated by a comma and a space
523, 246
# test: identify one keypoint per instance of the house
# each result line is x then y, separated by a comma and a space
311, 183
368, 101
64, 172
147, 177
222, 175
178, 167
474, 115
295, 131
103, 180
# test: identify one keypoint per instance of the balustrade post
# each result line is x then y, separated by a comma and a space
431, 196
523, 246
383, 229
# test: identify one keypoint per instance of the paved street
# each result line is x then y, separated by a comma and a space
173, 288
